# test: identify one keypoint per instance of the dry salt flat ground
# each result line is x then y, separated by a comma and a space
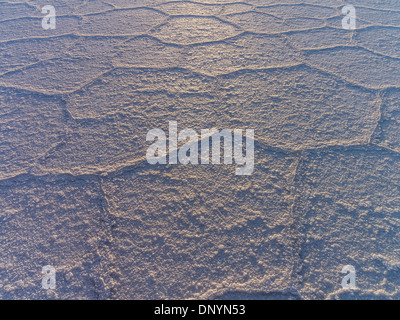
77, 193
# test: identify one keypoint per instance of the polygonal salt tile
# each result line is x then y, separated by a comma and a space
215, 2
358, 65
100, 50
30, 124
300, 107
55, 76
92, 7
294, 24
135, 3
388, 130
190, 30
230, 8
132, 88
379, 17
347, 213
245, 51
257, 22
121, 22
378, 4
111, 117
148, 52
328, 3
69, 7
188, 8
58, 221
18, 54
299, 11
381, 40
93, 146
320, 38
199, 231
16, 10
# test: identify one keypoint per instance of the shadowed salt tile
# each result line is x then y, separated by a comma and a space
347, 214
57, 221
381, 40
198, 231
189, 30
300, 108
30, 124
55, 76
358, 65
388, 131
121, 22
243, 51
32, 27
320, 38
